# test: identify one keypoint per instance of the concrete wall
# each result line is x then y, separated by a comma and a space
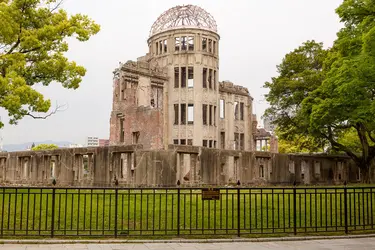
193, 166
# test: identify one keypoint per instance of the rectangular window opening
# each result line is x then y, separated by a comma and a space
122, 131
191, 43
317, 168
183, 114
176, 77
176, 114
210, 115
242, 111
214, 81
222, 109
204, 78
214, 47
161, 47
177, 44
222, 140
136, 137
190, 113
210, 143
183, 43
261, 171
183, 141
190, 77
236, 141
204, 44
210, 45
214, 115
157, 48
204, 114
236, 116
183, 77
175, 141
210, 79
165, 46
204, 143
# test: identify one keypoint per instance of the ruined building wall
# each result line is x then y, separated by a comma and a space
193, 166
138, 106
235, 114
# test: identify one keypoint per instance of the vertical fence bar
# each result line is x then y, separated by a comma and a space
53, 213
2, 214
346, 207
238, 209
178, 208
295, 208
116, 207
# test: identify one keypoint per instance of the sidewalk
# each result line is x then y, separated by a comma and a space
333, 244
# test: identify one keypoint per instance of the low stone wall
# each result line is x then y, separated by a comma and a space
193, 166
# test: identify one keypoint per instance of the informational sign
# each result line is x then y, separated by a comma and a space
210, 194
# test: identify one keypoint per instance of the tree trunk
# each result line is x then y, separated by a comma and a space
365, 172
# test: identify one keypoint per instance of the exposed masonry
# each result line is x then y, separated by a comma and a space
173, 95
193, 166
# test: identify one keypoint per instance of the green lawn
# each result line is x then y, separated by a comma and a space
88, 212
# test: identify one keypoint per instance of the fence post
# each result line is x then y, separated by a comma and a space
178, 207
116, 206
53, 209
346, 207
295, 207
238, 208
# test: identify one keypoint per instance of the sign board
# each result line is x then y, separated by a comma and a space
210, 194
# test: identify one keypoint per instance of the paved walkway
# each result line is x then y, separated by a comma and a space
347, 244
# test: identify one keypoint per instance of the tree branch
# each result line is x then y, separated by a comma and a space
30, 50
58, 108
339, 146
57, 6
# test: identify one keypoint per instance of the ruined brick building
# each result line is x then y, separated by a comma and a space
173, 95
173, 120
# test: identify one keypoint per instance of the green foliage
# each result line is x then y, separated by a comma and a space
32, 45
300, 144
44, 147
329, 94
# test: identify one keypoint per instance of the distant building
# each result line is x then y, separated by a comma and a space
75, 146
92, 141
103, 142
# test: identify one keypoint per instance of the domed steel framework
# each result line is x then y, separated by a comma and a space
185, 16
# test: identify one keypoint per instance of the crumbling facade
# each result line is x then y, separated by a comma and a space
133, 166
173, 95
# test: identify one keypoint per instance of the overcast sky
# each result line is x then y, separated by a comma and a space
255, 35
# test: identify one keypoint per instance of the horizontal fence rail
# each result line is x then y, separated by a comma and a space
123, 212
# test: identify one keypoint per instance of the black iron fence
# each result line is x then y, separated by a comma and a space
123, 212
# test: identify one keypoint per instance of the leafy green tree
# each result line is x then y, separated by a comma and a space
44, 147
335, 102
300, 73
33, 37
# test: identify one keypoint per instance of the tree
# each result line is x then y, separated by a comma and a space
340, 104
44, 147
33, 37
300, 73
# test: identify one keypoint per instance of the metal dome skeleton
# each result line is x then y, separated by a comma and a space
186, 16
